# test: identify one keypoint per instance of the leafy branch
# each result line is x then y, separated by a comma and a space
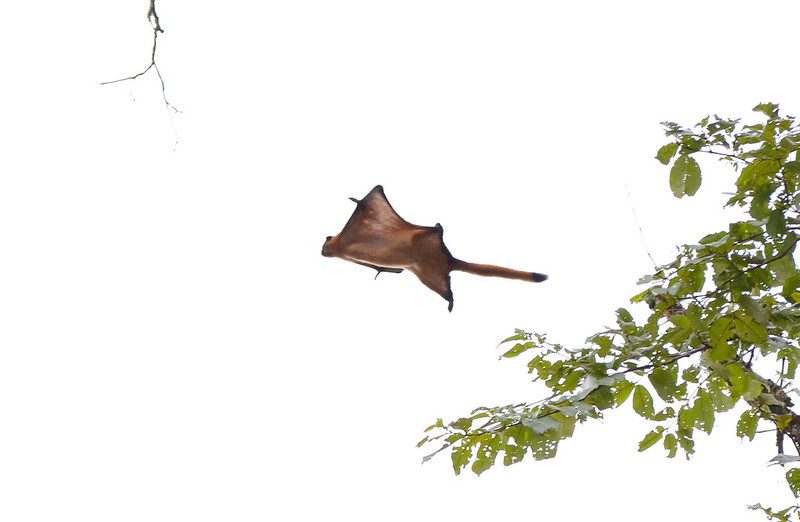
722, 325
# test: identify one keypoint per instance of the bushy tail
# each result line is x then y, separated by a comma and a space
497, 271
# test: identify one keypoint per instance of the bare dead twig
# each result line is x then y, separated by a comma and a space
152, 17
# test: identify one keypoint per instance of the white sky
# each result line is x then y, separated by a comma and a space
172, 345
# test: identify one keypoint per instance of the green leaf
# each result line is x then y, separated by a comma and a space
716, 239
793, 478
776, 224
791, 167
622, 390
783, 268
691, 374
541, 424
643, 402
665, 153
671, 445
747, 424
687, 444
664, 381
781, 421
769, 109
705, 411
684, 177
791, 285
438, 424
514, 454
460, 457
604, 343
720, 331
544, 446
750, 330
519, 336
754, 309
666, 413
722, 396
602, 397
518, 349
651, 438
624, 316
463, 424
482, 464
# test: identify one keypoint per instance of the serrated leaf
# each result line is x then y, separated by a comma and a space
685, 177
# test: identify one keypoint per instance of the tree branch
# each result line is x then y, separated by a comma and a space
152, 17
671, 360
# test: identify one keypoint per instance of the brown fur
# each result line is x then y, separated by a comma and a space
377, 237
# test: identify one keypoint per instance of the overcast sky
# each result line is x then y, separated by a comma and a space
172, 344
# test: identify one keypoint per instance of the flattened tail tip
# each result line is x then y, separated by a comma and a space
537, 277
450, 305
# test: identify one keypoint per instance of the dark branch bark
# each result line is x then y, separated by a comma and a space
792, 429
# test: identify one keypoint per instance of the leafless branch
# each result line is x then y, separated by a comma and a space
152, 17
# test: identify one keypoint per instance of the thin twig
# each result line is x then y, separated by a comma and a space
671, 360
641, 232
152, 17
